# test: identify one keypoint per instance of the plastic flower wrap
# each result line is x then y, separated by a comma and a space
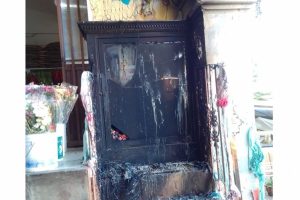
65, 99
38, 117
39, 109
47, 105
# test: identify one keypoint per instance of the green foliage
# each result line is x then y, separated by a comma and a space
269, 182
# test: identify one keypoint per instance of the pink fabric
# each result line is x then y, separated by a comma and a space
222, 102
255, 194
221, 81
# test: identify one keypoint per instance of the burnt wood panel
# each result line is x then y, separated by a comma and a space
149, 84
197, 61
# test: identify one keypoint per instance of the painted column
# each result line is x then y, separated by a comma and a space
228, 29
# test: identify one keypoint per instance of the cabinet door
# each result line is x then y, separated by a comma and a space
144, 95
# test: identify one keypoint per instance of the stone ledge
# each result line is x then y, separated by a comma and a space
226, 4
71, 162
68, 185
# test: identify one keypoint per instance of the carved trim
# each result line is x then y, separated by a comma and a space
131, 27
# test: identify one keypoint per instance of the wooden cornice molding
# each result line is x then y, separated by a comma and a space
121, 27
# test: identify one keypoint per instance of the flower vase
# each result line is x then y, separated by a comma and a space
61, 140
41, 150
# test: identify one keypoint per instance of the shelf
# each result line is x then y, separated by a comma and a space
42, 68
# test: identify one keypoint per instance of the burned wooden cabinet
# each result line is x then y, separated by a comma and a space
148, 89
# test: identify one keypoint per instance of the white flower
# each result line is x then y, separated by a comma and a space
39, 117
42, 127
46, 120
40, 109
37, 125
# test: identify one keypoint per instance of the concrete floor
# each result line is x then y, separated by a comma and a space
67, 181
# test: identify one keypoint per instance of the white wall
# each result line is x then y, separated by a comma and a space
229, 39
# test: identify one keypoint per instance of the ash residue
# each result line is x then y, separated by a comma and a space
135, 182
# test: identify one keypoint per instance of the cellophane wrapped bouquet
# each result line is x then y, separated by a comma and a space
40, 109
47, 105
65, 99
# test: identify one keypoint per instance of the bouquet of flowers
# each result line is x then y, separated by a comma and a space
48, 105
39, 111
65, 99
38, 117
